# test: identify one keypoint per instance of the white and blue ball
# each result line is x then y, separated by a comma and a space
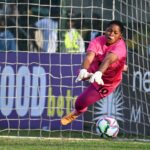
107, 127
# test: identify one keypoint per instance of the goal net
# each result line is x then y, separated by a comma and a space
39, 63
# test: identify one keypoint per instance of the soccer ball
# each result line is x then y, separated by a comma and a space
107, 127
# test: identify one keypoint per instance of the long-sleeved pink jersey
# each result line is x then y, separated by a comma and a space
113, 75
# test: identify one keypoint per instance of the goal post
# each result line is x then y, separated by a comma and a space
37, 87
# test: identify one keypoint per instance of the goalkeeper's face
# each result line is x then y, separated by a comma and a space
113, 34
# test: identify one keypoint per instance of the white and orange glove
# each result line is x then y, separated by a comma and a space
83, 74
97, 77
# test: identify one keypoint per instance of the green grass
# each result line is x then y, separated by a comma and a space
51, 141
69, 144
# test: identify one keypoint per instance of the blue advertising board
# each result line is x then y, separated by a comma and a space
37, 89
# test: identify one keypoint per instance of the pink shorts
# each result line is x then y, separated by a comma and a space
91, 95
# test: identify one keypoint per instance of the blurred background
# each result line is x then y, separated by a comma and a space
23, 19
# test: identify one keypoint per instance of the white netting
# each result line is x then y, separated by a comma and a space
37, 87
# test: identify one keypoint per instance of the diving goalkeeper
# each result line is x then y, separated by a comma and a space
103, 67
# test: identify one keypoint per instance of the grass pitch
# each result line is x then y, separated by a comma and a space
19, 143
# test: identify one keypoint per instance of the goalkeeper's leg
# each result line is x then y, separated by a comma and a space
79, 106
87, 98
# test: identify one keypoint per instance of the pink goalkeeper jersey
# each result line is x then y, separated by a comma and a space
113, 75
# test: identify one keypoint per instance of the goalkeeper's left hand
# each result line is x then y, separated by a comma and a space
97, 77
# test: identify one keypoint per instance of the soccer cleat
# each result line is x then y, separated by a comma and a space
69, 118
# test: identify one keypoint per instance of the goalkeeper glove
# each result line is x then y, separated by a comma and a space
97, 77
82, 75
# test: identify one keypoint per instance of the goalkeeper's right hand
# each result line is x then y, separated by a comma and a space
83, 74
